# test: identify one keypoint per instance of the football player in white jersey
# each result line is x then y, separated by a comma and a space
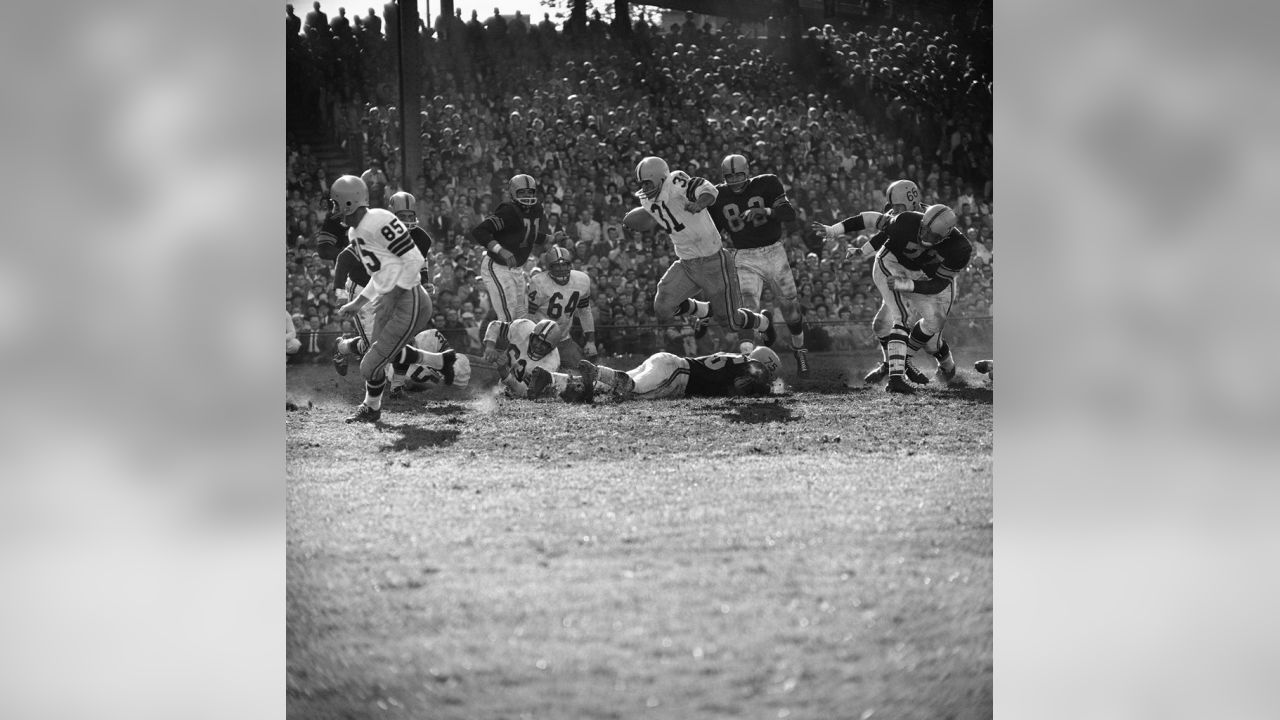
560, 293
678, 204
422, 376
394, 263
520, 347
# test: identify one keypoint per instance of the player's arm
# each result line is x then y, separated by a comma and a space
870, 247
780, 207
494, 335
700, 195
862, 221
485, 234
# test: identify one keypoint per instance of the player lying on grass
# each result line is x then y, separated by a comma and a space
520, 347
663, 375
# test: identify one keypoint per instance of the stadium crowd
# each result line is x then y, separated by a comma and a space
837, 122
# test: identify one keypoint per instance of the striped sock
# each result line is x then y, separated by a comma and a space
694, 308
896, 349
373, 393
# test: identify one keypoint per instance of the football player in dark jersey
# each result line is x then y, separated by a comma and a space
664, 375
751, 211
918, 256
509, 235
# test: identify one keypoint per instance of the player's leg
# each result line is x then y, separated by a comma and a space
508, 298
398, 368
718, 278
662, 375
750, 283
927, 332
675, 290
401, 315
783, 285
896, 347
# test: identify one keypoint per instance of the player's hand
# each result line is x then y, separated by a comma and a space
901, 284
589, 349
350, 308
508, 258
491, 355
756, 212
853, 252
559, 237
692, 206
828, 231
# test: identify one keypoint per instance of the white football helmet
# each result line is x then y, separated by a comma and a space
767, 357
735, 172
651, 172
903, 196
937, 222
349, 193
405, 206
523, 190
543, 339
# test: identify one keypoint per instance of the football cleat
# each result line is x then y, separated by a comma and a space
450, 357
983, 366
915, 374
802, 360
589, 374
899, 384
877, 374
364, 413
943, 375
539, 379
771, 332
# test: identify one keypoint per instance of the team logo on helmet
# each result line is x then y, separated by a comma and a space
734, 170
938, 220
523, 190
543, 339
558, 262
405, 207
904, 195
651, 172
767, 357
349, 193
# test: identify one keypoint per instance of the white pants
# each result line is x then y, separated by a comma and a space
901, 307
764, 265
508, 289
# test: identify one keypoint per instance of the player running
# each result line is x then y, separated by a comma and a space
915, 268
678, 204
751, 210
509, 236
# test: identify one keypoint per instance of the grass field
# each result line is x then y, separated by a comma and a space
824, 554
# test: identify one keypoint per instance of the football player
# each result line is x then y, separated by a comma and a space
664, 375
915, 270
431, 372
678, 204
509, 236
902, 195
751, 211
561, 293
521, 346
394, 264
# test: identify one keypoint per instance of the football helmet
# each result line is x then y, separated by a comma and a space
558, 262
651, 172
903, 196
734, 171
405, 206
543, 339
937, 222
349, 193
523, 190
768, 358
754, 380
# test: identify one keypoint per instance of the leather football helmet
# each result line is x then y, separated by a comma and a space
405, 206
523, 190
769, 359
735, 172
903, 196
558, 262
651, 172
938, 221
349, 193
543, 339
